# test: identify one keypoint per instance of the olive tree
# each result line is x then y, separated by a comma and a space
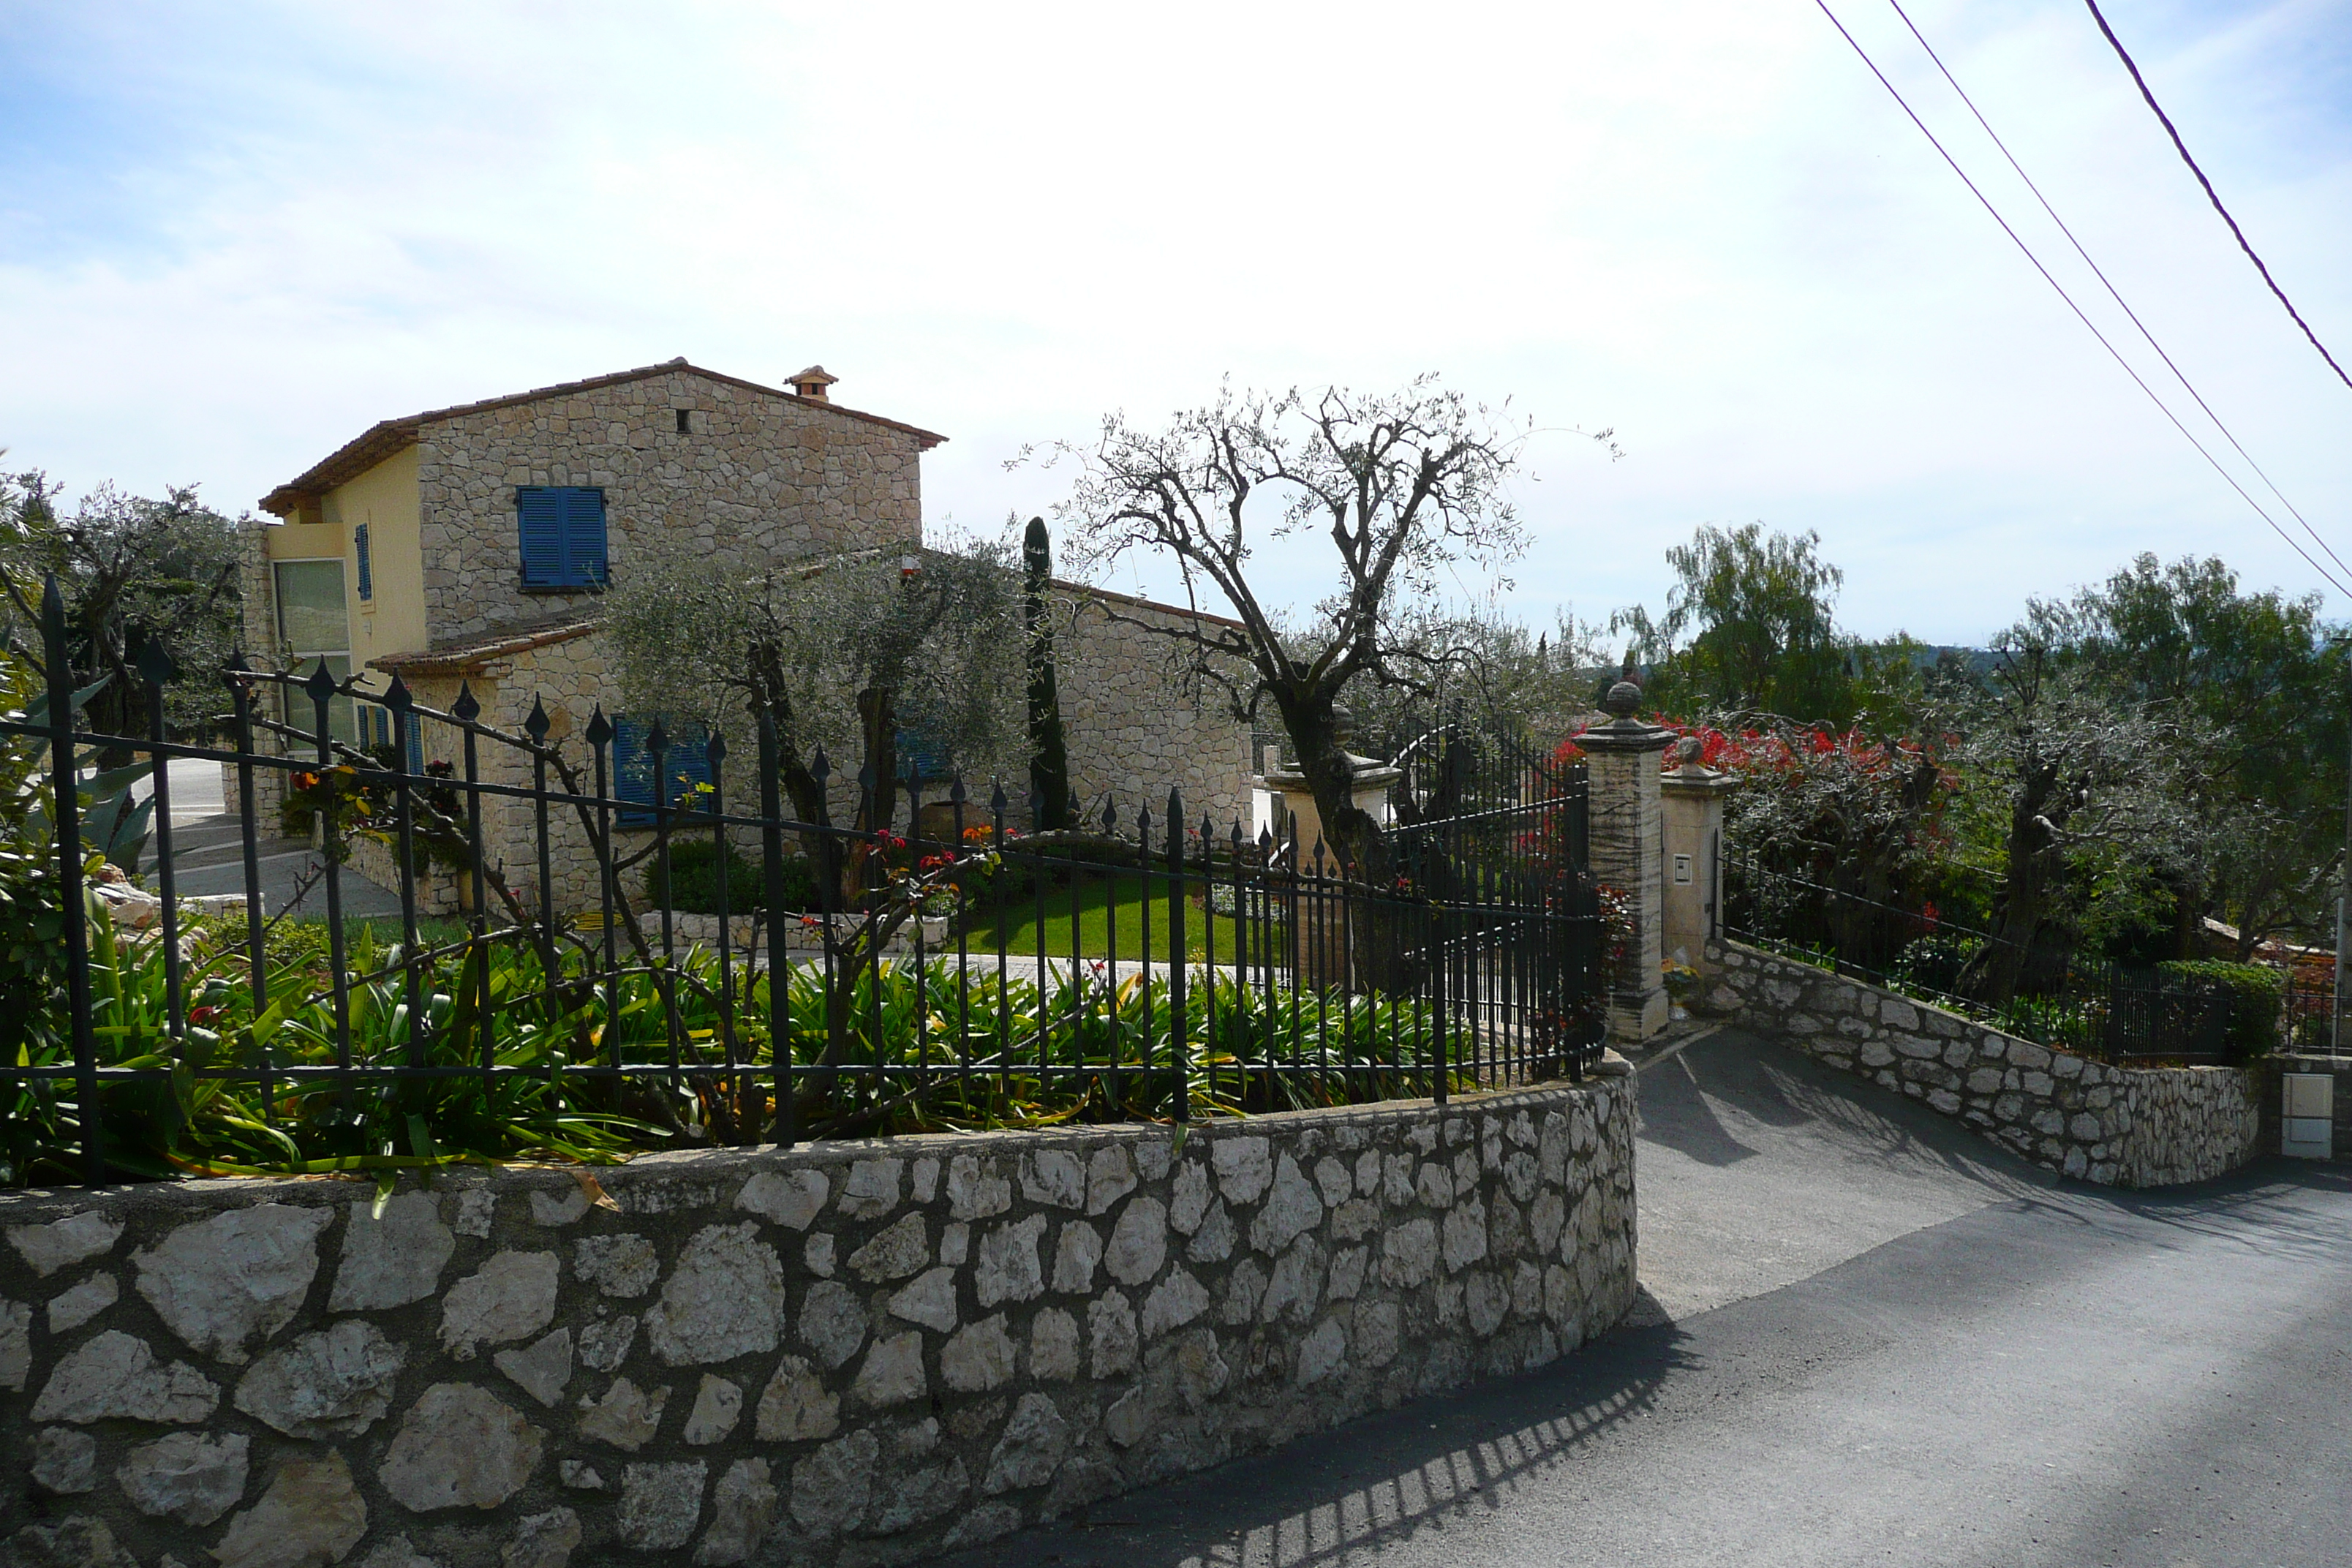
2256, 682
132, 569
841, 653
2063, 772
1408, 487
837, 653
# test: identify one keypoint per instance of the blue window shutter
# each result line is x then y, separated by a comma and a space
915, 748
416, 743
539, 513
584, 538
689, 765
633, 770
367, 567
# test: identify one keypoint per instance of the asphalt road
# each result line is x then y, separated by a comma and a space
1867, 1338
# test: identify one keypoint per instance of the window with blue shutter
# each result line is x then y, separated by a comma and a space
414, 745
367, 565
562, 531
916, 751
684, 765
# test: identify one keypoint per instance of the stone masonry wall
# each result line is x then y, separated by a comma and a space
762, 476
1136, 725
853, 1354
2124, 1127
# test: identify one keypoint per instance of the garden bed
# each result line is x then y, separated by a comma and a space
576, 1066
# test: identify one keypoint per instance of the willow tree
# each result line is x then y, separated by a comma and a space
1408, 488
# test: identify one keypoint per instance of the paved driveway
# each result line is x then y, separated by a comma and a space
1868, 1338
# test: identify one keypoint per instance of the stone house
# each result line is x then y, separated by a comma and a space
467, 546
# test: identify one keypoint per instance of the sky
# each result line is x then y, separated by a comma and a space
233, 236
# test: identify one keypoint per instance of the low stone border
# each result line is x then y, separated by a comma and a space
2125, 1127
849, 1354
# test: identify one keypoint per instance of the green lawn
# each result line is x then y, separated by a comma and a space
1098, 900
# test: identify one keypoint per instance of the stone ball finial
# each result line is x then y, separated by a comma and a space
1622, 700
1688, 750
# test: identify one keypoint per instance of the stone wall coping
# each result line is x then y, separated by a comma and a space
2137, 1126
1977, 1025
32, 1206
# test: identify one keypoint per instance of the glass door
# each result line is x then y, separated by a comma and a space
313, 624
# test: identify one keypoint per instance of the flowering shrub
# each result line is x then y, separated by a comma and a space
1860, 815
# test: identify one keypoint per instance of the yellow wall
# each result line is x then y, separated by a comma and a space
384, 498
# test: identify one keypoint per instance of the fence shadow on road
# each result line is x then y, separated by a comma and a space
1375, 1481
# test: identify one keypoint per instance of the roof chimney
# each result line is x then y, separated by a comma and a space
811, 383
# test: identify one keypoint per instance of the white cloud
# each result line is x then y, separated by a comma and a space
1700, 223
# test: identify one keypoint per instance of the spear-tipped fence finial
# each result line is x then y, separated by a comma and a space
156, 664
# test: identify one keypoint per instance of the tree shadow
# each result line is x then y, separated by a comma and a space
1676, 1113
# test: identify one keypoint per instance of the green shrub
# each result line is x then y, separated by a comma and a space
1933, 964
694, 880
2257, 992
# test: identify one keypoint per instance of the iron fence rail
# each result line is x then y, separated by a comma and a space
2308, 1017
2107, 1009
1251, 970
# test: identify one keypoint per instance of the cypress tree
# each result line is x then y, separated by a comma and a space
1049, 757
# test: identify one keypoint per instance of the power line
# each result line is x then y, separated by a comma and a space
2178, 375
2182, 148
2229, 478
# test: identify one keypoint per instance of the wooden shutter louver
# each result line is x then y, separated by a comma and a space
538, 514
584, 538
562, 533
633, 770
367, 567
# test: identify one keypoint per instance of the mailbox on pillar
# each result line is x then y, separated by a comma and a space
2307, 1120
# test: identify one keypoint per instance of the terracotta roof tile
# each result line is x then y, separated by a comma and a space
467, 657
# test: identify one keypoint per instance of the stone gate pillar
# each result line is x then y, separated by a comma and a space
1694, 854
1628, 850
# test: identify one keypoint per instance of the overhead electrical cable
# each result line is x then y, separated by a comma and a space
2182, 148
2178, 375
2162, 408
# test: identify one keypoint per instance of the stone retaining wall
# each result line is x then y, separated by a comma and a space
849, 1354
2124, 1127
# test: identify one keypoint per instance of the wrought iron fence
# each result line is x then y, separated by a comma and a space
2104, 1010
838, 980
2308, 1018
